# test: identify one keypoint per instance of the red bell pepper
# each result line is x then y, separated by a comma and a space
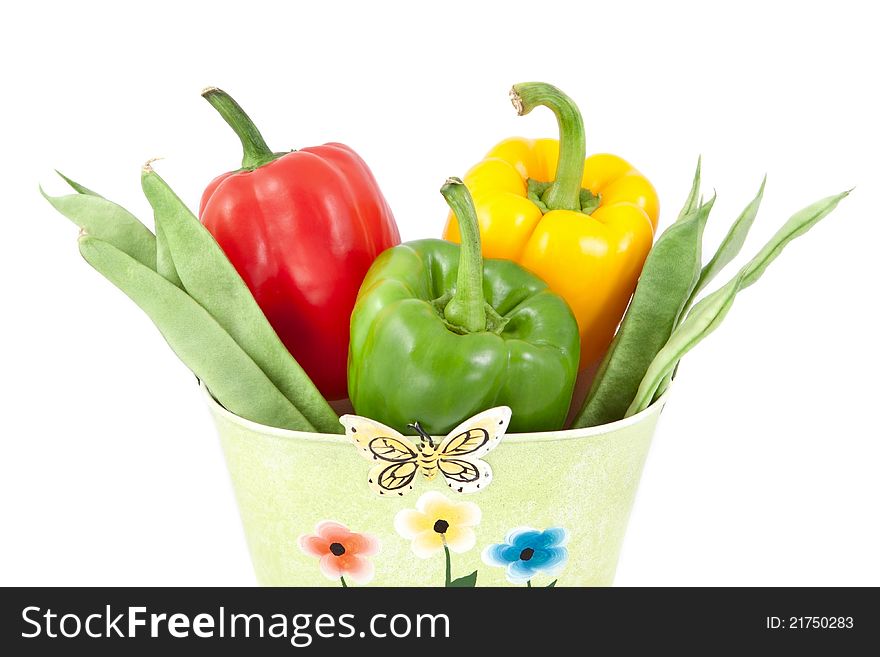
301, 228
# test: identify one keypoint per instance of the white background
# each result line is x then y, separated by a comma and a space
764, 469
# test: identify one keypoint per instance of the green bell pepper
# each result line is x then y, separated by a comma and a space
438, 335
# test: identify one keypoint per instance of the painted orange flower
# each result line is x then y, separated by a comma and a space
342, 552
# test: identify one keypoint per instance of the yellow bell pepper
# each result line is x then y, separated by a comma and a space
584, 225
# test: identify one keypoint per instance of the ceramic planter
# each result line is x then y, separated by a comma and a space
582, 481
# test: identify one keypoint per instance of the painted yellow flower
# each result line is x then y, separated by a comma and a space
436, 522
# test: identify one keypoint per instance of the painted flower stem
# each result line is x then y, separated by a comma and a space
342, 580
437, 523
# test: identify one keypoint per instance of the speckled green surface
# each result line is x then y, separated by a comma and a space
583, 480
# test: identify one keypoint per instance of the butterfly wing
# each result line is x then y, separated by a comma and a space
465, 475
395, 455
459, 455
477, 436
393, 478
375, 441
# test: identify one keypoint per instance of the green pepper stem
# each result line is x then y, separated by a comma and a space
256, 151
467, 307
564, 193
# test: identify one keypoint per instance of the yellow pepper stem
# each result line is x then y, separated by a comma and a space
467, 307
565, 191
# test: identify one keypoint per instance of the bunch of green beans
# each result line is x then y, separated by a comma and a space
183, 281
662, 323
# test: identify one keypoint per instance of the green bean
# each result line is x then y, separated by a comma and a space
107, 221
164, 263
691, 203
670, 273
198, 340
209, 277
728, 249
706, 316
731, 244
80, 189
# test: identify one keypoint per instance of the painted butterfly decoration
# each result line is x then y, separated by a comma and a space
457, 457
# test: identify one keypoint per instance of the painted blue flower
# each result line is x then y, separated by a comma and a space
527, 552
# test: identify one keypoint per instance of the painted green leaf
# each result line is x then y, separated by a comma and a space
468, 581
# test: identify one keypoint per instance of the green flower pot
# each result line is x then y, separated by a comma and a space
579, 483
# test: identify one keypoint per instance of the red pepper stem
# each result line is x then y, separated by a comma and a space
256, 151
564, 193
467, 307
